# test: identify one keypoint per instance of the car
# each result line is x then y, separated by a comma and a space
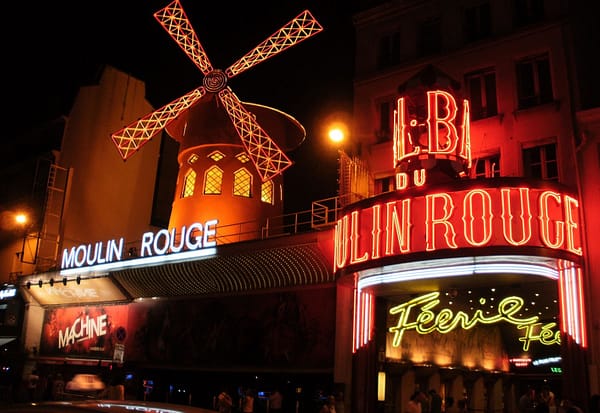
85, 382
101, 406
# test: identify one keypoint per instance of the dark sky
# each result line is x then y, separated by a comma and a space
53, 48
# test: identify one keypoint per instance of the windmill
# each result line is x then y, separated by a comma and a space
263, 151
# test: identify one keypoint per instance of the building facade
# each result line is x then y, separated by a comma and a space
515, 65
464, 261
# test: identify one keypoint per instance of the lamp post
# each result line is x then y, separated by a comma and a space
353, 174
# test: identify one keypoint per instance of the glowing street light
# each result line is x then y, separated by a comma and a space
336, 135
21, 219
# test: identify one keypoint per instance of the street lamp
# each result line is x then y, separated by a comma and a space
21, 219
336, 135
353, 174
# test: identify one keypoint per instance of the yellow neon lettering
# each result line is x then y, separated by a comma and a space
465, 147
432, 220
486, 217
434, 122
376, 232
446, 320
419, 177
397, 229
401, 180
341, 243
402, 136
571, 223
545, 221
508, 217
354, 240
546, 335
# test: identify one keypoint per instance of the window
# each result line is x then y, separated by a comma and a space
478, 22
189, 183
429, 38
540, 162
534, 83
213, 181
385, 184
481, 89
528, 11
389, 50
216, 156
242, 183
486, 167
242, 157
266, 192
386, 110
193, 159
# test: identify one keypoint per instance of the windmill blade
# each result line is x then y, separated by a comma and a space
129, 139
174, 20
300, 28
268, 158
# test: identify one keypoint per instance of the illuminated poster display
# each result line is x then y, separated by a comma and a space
287, 329
292, 329
89, 331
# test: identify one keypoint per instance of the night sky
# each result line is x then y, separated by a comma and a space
53, 48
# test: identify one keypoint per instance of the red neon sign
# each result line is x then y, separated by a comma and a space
506, 216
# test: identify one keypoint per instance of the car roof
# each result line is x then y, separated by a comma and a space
102, 406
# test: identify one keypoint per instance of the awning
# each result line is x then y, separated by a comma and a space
6, 340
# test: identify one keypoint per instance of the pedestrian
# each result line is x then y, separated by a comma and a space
414, 404
275, 401
329, 405
450, 405
58, 388
32, 384
569, 406
248, 402
435, 402
339, 403
527, 401
224, 402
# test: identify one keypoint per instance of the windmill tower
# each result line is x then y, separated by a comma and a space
230, 168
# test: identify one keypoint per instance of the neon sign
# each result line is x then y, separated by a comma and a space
507, 216
8, 293
441, 139
194, 237
426, 321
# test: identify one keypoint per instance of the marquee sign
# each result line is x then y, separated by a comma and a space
93, 290
189, 238
444, 134
509, 215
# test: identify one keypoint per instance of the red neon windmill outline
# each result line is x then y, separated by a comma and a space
266, 156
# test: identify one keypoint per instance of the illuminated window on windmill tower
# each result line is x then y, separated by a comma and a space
189, 184
266, 192
213, 181
242, 183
